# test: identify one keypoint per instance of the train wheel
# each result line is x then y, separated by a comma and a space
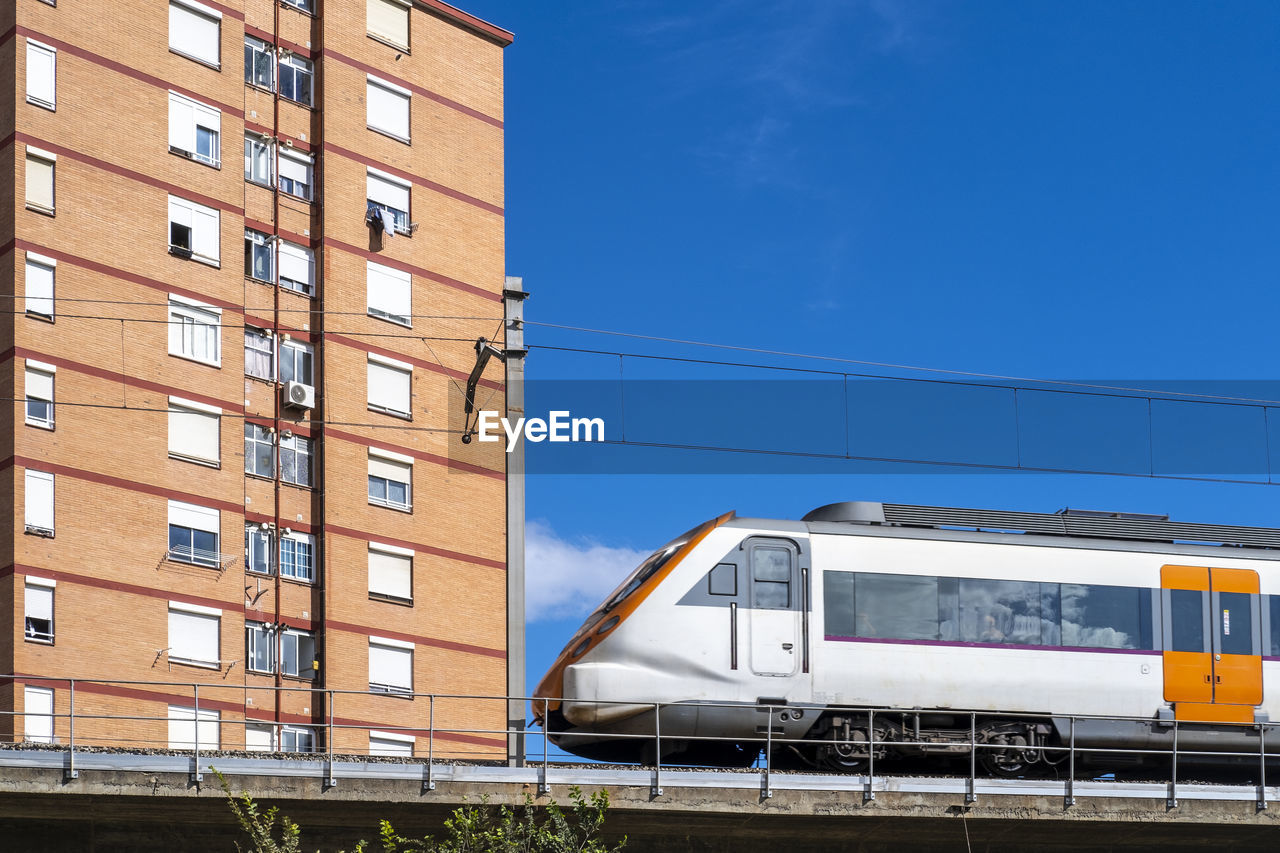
846, 748
1008, 751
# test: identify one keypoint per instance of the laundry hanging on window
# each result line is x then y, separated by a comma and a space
388, 222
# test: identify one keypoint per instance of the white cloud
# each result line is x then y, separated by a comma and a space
566, 579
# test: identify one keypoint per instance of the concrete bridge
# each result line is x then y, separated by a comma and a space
116, 801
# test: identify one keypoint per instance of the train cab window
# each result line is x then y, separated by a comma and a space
1186, 618
1106, 617
994, 611
901, 607
1235, 623
771, 577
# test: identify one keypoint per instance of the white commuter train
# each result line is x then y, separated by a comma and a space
1011, 623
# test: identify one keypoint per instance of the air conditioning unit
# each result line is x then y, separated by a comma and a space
299, 396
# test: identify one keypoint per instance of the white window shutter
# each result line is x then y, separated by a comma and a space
194, 516
193, 636
295, 167
205, 231
39, 288
182, 123
194, 433
389, 21
40, 182
37, 706
39, 499
389, 387
194, 31
390, 292
41, 74
390, 470
390, 574
182, 728
386, 191
297, 263
39, 384
38, 602
388, 108
390, 665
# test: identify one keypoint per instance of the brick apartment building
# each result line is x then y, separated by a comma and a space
210, 355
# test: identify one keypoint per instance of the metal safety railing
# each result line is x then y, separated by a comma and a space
98, 715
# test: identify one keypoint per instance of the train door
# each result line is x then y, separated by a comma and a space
776, 605
1212, 642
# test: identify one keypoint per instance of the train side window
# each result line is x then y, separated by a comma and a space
723, 580
1186, 618
899, 607
1273, 602
1050, 614
771, 577
1235, 623
993, 611
1106, 617
838, 604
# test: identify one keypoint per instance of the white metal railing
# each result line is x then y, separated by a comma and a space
542, 758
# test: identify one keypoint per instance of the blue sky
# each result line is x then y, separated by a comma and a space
1057, 190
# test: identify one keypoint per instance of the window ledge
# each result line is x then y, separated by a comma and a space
388, 318
295, 197
216, 364
391, 599
306, 488
389, 135
40, 425
265, 186
187, 155
39, 641
41, 209
298, 581
42, 532
264, 477
405, 509
400, 47
199, 664
196, 460
44, 105
307, 12
169, 558
395, 413
206, 63
394, 692
264, 379
37, 315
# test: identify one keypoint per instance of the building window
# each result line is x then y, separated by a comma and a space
386, 192
194, 634
42, 65
390, 572
295, 174
295, 362
298, 556
260, 647
295, 79
259, 451
305, 6
258, 63
187, 730
391, 744
38, 382
388, 20
195, 331
38, 609
194, 431
194, 129
295, 460
193, 534
37, 714
298, 653
39, 503
258, 261
39, 284
259, 549
40, 168
390, 293
259, 354
269, 738
390, 666
387, 108
297, 739
194, 31
297, 268
390, 480
194, 231
390, 385
257, 159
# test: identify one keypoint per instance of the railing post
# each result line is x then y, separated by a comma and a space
656, 789
766, 784
1070, 799
1172, 801
1262, 766
868, 793
430, 784
971, 796
196, 774
72, 772
544, 786
331, 779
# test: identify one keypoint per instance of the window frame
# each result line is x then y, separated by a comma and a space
259, 547
403, 218
259, 637
179, 405
388, 39
181, 310
198, 10
398, 646
300, 69
47, 370
253, 333
297, 254
388, 457
258, 435
296, 657
29, 633
198, 216
33, 513
189, 512
251, 67
405, 102
50, 265
47, 158
299, 350
395, 552
377, 362
298, 540
258, 244
202, 616
201, 116
51, 53
298, 447
266, 146
29, 735
385, 280
307, 162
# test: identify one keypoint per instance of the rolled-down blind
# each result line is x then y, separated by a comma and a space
41, 73
193, 433
205, 231
39, 287
296, 263
387, 192
39, 384
389, 387
182, 123
39, 499
389, 469
389, 20
193, 32
39, 182
39, 602
194, 516
388, 109
389, 291
193, 636
295, 167
390, 574
390, 665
